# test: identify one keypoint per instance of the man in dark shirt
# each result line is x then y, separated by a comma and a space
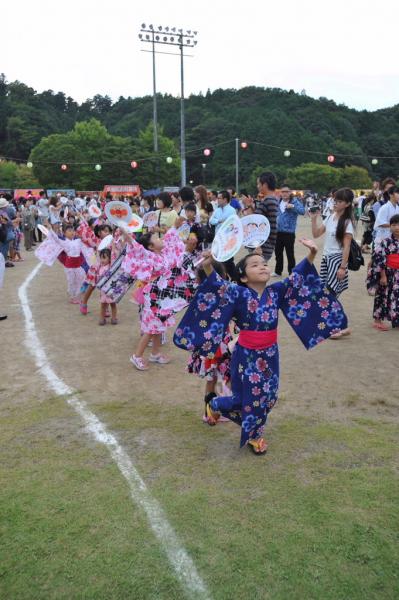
268, 207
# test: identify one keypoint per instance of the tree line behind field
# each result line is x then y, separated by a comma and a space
49, 127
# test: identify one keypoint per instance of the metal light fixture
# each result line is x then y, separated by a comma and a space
181, 40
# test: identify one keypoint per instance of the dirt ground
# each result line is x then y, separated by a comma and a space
337, 381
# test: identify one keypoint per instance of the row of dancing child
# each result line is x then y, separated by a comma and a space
166, 281
162, 270
84, 264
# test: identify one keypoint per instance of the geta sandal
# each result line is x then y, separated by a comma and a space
258, 446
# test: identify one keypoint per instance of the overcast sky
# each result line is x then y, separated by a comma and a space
346, 50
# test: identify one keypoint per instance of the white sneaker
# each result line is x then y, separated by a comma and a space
138, 362
159, 358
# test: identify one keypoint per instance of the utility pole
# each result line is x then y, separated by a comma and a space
237, 140
171, 36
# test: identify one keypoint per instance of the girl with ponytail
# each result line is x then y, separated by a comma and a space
339, 231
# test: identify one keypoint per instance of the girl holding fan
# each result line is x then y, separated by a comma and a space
312, 311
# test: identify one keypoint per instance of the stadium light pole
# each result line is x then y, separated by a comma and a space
150, 37
171, 36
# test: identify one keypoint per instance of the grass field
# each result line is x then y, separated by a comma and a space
317, 518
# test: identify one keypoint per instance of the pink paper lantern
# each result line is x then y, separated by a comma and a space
207, 152
244, 145
331, 158
134, 164
64, 167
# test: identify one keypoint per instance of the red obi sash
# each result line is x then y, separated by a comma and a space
257, 340
209, 362
73, 262
393, 261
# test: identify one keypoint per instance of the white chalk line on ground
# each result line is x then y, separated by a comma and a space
181, 562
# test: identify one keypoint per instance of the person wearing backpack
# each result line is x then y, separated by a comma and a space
339, 231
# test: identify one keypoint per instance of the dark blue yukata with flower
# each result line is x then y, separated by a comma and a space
312, 311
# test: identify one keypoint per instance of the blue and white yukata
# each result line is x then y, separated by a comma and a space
312, 311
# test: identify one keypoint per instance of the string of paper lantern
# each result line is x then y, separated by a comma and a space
208, 151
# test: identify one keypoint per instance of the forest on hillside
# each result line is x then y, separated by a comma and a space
270, 120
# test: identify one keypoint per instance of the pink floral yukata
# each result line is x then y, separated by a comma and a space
161, 272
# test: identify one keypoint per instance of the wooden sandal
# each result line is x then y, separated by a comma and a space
258, 446
212, 417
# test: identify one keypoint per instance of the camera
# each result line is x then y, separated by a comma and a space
314, 209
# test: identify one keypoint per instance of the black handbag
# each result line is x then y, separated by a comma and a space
355, 260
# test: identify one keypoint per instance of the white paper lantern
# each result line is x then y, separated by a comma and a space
98, 167
287, 153
29, 165
374, 161
169, 160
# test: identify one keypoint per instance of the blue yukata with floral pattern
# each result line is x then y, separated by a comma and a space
311, 310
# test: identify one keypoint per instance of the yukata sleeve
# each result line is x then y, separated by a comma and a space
380, 257
87, 235
139, 262
87, 252
313, 312
49, 250
173, 250
207, 318
117, 246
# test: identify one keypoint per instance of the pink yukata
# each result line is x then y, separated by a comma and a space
49, 251
100, 271
89, 238
147, 266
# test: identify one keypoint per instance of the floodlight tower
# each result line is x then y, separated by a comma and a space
171, 36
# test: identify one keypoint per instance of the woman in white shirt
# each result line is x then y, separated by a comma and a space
388, 210
54, 212
338, 228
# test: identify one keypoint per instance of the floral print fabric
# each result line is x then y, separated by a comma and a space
311, 310
386, 300
170, 282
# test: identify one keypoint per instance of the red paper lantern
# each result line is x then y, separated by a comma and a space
331, 158
207, 152
64, 167
244, 145
134, 164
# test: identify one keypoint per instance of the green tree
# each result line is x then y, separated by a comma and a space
312, 176
279, 171
88, 144
355, 178
156, 171
271, 120
3, 109
13, 175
